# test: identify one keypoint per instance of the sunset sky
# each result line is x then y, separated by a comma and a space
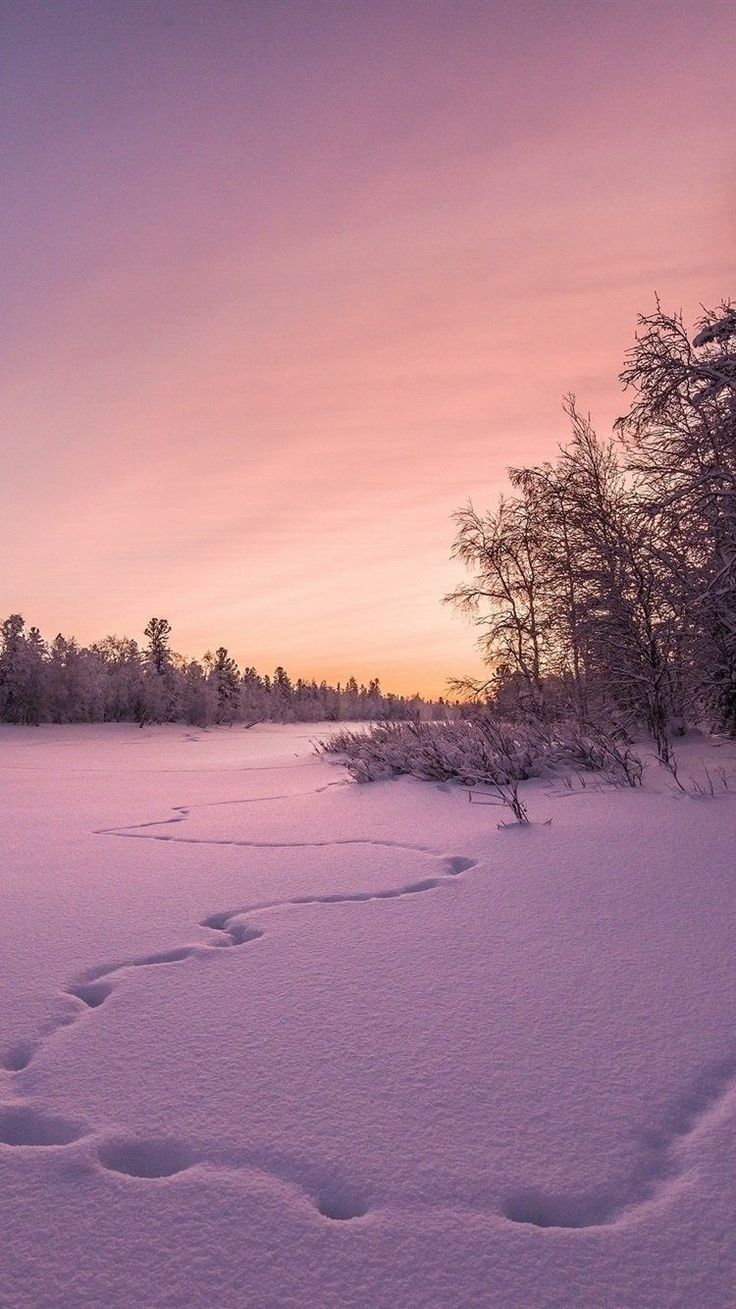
286, 281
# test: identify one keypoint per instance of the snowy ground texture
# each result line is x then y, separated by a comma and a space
271, 1040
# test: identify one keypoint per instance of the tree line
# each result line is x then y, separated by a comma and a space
604, 585
116, 680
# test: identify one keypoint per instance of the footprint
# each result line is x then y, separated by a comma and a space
241, 933
219, 921
539, 1210
93, 994
17, 1056
23, 1125
341, 1203
234, 932
457, 864
146, 1157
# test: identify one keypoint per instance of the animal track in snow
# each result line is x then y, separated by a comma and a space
152, 1158
237, 933
160, 1158
147, 1157
96, 984
22, 1124
660, 1168
341, 1203
17, 1056
163, 957
662, 1160
93, 994
156, 1158
263, 845
227, 920
181, 812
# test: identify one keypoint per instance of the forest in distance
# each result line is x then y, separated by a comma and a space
117, 680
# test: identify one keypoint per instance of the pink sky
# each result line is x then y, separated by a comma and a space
286, 283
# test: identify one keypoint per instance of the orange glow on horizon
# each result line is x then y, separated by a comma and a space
288, 284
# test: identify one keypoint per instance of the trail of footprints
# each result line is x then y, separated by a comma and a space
23, 1124
662, 1162
335, 1198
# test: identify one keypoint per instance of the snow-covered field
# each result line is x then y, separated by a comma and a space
269, 1039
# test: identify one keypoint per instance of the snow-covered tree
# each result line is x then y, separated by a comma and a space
114, 680
681, 435
225, 681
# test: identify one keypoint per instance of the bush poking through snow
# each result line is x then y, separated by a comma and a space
474, 751
508, 794
707, 786
596, 748
482, 751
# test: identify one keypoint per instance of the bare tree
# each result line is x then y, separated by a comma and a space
681, 436
505, 595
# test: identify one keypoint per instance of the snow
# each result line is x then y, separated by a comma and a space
271, 1039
